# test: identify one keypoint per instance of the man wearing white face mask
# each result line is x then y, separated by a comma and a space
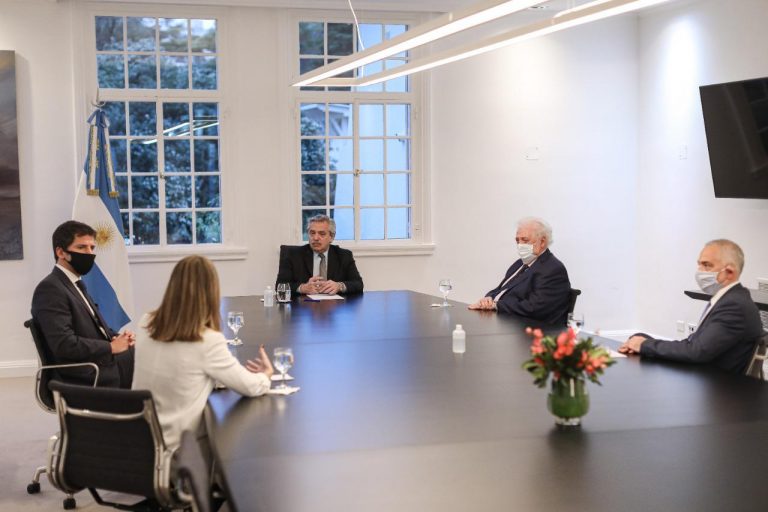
730, 325
536, 286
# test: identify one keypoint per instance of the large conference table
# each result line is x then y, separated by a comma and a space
388, 418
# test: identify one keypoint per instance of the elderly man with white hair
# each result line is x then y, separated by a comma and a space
730, 326
536, 286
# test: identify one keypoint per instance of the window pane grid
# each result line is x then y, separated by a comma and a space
198, 220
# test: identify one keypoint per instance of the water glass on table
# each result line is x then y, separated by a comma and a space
283, 292
445, 286
235, 320
282, 359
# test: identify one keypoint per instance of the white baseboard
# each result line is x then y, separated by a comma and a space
21, 368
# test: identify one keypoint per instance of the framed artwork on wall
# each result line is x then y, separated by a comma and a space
11, 247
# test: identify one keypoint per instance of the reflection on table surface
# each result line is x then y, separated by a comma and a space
389, 418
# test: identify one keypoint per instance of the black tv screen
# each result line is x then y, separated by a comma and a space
736, 122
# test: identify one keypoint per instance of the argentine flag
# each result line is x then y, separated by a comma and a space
109, 281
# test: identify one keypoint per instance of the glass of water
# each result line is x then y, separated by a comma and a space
283, 292
445, 289
576, 321
282, 359
235, 320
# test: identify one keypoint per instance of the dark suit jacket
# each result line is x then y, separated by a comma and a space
726, 338
71, 332
296, 267
540, 292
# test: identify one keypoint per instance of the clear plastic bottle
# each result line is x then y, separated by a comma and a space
459, 340
269, 297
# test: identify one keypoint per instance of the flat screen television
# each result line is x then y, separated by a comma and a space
736, 122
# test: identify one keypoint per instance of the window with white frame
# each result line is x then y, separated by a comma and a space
159, 77
356, 144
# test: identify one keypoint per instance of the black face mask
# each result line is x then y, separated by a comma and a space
81, 262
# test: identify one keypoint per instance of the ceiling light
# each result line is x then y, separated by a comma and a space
443, 26
586, 13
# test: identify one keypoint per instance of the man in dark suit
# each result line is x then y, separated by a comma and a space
70, 321
536, 286
730, 326
319, 267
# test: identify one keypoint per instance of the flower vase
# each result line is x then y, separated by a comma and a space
568, 401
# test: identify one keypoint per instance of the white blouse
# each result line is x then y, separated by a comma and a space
181, 375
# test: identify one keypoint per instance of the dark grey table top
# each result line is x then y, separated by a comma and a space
388, 418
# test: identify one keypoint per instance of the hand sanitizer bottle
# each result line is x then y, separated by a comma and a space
459, 340
269, 297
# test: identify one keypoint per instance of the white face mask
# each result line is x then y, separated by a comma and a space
707, 281
526, 253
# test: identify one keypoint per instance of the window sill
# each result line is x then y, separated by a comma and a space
363, 250
174, 254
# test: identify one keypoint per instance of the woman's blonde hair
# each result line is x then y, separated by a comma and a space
190, 303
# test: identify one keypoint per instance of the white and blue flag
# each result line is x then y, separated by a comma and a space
109, 281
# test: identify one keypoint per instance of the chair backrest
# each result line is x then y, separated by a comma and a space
572, 299
49, 371
43, 395
111, 440
193, 473
759, 356
284, 249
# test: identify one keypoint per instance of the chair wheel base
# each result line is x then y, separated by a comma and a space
70, 504
33, 488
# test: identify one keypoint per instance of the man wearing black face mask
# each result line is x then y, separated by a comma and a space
729, 327
69, 319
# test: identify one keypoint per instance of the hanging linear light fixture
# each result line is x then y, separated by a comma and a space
592, 11
438, 28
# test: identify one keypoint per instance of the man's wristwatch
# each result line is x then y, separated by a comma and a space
342, 288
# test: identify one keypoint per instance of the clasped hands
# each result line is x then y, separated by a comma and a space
122, 341
317, 284
486, 303
632, 345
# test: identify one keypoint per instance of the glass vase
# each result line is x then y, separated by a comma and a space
568, 401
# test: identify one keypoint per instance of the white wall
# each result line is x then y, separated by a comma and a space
607, 104
683, 47
40, 33
572, 95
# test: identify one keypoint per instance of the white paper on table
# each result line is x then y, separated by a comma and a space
283, 391
324, 297
614, 354
278, 377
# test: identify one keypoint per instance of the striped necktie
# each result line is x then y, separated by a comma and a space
323, 267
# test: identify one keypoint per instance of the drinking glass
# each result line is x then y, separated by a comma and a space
283, 292
235, 320
282, 359
445, 289
576, 321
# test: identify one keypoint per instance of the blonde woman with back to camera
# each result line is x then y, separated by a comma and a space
181, 352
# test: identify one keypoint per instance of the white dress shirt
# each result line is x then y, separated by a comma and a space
74, 278
181, 375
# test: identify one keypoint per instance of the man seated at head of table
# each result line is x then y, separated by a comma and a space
729, 327
536, 286
181, 352
319, 267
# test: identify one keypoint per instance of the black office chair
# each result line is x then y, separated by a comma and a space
193, 482
572, 299
755, 367
111, 440
44, 397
